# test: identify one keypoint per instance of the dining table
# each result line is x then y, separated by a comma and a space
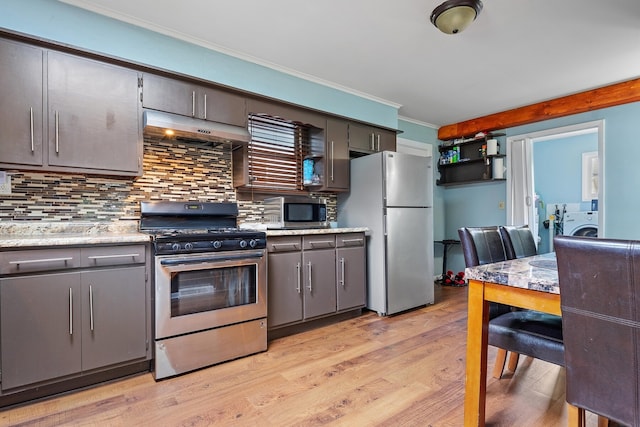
529, 283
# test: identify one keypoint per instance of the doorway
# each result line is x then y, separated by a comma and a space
526, 206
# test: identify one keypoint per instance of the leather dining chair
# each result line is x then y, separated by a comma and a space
600, 302
527, 332
518, 241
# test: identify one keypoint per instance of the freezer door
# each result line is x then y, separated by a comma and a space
408, 180
409, 257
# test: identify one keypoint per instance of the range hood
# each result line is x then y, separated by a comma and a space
187, 129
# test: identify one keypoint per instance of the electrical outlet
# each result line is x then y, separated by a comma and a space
5, 188
501, 205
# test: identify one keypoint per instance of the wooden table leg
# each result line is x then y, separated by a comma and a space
476, 368
575, 416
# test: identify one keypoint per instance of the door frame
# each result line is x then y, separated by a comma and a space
554, 133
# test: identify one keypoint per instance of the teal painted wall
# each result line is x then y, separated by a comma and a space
62, 23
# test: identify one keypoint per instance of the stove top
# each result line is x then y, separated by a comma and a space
196, 227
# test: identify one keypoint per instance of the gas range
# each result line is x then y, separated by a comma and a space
196, 227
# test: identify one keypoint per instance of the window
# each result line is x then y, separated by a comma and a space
272, 160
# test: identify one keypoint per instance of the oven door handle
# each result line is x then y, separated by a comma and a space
218, 258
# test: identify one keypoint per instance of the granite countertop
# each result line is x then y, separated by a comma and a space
308, 231
36, 234
539, 272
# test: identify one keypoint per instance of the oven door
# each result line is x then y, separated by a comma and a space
195, 292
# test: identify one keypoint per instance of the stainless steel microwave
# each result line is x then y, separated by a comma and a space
295, 212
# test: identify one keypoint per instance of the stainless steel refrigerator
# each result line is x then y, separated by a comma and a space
392, 194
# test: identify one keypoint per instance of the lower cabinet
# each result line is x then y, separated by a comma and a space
57, 325
314, 276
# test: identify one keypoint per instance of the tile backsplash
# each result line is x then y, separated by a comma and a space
171, 172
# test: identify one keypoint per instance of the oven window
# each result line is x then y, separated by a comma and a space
213, 289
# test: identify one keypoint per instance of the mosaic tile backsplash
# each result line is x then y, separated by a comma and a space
172, 171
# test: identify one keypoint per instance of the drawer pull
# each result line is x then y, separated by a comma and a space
36, 261
281, 246
322, 243
353, 242
98, 257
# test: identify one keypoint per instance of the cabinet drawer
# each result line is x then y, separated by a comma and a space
14, 262
284, 244
321, 241
113, 255
350, 239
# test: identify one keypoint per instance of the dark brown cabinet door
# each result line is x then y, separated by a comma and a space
337, 155
191, 100
40, 328
21, 103
319, 282
368, 139
93, 115
285, 288
351, 272
113, 316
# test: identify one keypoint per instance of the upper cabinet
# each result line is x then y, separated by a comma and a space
334, 164
61, 112
192, 100
368, 139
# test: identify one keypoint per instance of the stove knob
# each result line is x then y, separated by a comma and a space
188, 246
217, 244
175, 247
243, 244
253, 243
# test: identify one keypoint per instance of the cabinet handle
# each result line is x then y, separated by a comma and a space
331, 161
91, 306
342, 271
35, 261
372, 145
353, 242
298, 287
57, 134
31, 127
276, 246
378, 142
205, 106
310, 280
99, 257
193, 103
70, 311
321, 243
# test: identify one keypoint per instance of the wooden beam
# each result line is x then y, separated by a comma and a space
608, 96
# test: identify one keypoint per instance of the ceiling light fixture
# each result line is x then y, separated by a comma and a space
453, 16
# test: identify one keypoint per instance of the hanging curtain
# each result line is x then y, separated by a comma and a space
520, 184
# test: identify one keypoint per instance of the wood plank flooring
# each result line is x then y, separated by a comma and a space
403, 370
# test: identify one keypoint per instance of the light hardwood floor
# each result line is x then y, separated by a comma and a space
403, 370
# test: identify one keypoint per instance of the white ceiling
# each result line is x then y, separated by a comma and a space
517, 52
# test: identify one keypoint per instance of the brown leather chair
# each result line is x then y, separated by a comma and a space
600, 302
525, 332
518, 241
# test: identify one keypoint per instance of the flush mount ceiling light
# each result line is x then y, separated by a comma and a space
453, 16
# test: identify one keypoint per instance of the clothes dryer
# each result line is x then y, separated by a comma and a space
580, 224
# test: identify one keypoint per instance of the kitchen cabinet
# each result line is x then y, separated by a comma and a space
332, 164
62, 112
368, 139
467, 162
314, 276
21, 103
193, 100
71, 311
351, 270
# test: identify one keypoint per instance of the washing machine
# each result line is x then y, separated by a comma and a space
580, 224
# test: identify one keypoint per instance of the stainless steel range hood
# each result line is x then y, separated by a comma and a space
186, 129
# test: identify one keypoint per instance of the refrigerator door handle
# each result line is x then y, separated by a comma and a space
384, 225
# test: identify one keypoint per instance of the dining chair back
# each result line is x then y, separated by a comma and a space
527, 332
600, 302
518, 241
